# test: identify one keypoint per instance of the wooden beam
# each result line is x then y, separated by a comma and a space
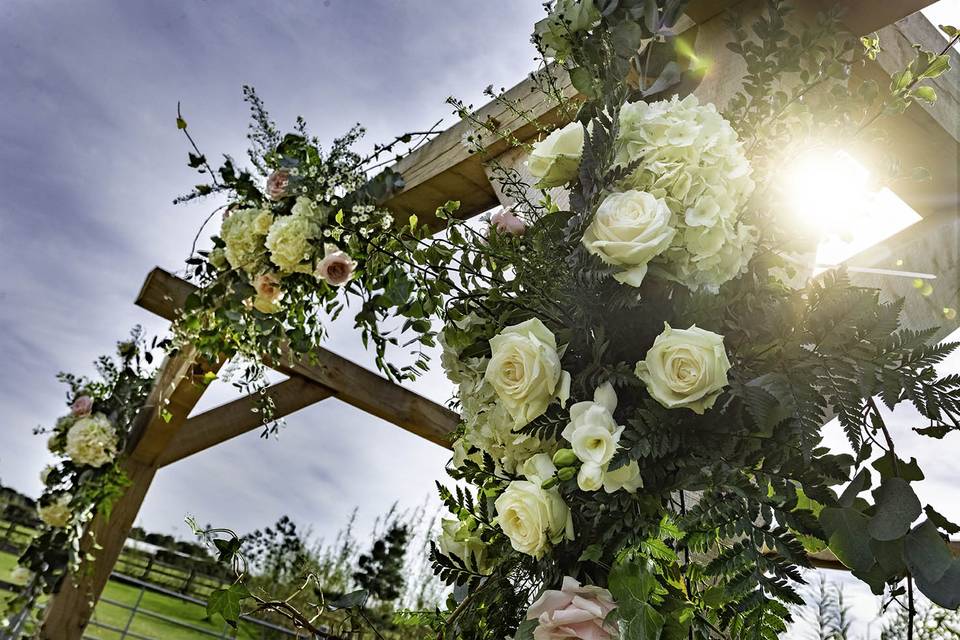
175, 392
932, 246
238, 417
444, 169
164, 294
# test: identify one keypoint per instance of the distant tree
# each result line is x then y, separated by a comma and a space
277, 553
380, 572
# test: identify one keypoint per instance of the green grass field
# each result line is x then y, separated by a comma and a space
115, 615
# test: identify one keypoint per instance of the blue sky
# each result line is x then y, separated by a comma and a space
90, 161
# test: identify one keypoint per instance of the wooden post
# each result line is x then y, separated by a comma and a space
174, 394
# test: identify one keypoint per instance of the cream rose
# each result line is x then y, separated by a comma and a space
630, 229
532, 517
92, 441
685, 368
555, 160
337, 266
524, 370
573, 612
82, 406
56, 513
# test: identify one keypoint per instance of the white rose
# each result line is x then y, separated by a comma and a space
685, 368
457, 539
92, 441
56, 513
524, 370
533, 518
630, 229
555, 160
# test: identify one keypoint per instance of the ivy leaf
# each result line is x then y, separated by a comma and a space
640, 623
195, 160
226, 602
847, 537
228, 547
181, 123
593, 553
951, 32
897, 508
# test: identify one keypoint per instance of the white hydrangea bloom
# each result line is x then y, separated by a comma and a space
290, 238
692, 159
92, 441
243, 232
57, 513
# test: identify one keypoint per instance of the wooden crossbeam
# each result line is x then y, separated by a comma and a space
164, 294
238, 417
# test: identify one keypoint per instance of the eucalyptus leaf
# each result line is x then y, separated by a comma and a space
897, 508
847, 537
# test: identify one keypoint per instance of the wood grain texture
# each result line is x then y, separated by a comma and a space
164, 294
238, 417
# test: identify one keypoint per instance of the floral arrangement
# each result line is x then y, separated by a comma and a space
642, 384
88, 476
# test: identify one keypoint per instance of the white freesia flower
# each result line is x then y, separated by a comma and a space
693, 161
590, 476
458, 539
56, 513
524, 370
626, 477
685, 368
289, 240
594, 436
92, 441
243, 232
539, 468
555, 160
629, 229
532, 517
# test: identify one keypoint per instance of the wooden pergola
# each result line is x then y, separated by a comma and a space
444, 170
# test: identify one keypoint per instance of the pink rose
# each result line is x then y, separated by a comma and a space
278, 183
82, 406
336, 266
573, 612
268, 292
507, 222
